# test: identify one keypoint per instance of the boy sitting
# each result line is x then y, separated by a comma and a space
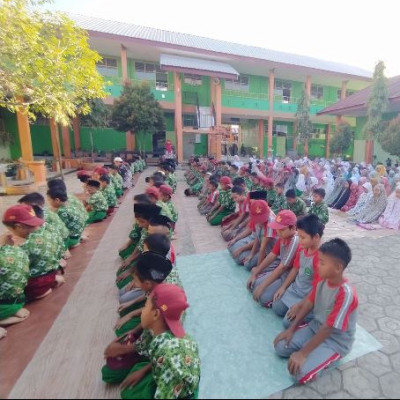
165, 196
171, 352
97, 205
117, 181
319, 207
295, 204
212, 198
330, 334
304, 274
108, 190
280, 199
225, 205
43, 248
14, 272
268, 277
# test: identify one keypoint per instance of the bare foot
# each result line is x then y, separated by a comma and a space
3, 333
63, 263
84, 237
44, 295
19, 317
60, 280
67, 255
23, 313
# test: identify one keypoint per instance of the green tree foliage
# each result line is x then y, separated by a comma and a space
390, 138
377, 103
304, 124
342, 140
46, 64
138, 111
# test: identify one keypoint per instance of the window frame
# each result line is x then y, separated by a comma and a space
318, 88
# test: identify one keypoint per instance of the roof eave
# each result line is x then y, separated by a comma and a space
213, 74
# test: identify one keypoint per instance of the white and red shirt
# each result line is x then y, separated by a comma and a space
213, 197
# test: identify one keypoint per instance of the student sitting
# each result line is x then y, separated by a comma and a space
117, 181
73, 218
97, 205
154, 196
269, 276
330, 334
304, 274
43, 248
14, 272
225, 206
271, 193
151, 270
319, 207
295, 204
212, 198
280, 199
165, 196
108, 190
172, 353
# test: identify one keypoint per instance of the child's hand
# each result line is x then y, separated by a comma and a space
286, 335
250, 282
236, 253
231, 242
258, 293
279, 293
133, 379
296, 361
293, 311
122, 321
115, 350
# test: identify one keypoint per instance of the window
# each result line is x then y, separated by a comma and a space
189, 120
241, 84
317, 92
161, 79
192, 79
283, 89
108, 66
319, 133
280, 130
145, 71
348, 93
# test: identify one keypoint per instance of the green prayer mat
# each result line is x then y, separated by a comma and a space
124, 282
145, 389
217, 220
133, 307
129, 326
124, 254
235, 334
114, 376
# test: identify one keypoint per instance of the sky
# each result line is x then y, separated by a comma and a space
353, 32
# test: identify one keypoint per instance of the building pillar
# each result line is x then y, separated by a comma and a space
271, 90
55, 142
76, 126
344, 89
130, 146
124, 64
261, 137
295, 126
66, 142
178, 115
270, 131
24, 133
328, 141
308, 86
218, 102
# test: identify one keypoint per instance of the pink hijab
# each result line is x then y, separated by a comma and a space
388, 187
355, 193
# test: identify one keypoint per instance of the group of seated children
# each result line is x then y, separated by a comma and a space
33, 256
301, 280
152, 357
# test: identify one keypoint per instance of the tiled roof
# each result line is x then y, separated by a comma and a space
212, 45
359, 100
168, 60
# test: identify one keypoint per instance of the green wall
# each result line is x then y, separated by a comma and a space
201, 149
202, 91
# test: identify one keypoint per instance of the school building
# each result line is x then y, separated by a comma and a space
217, 96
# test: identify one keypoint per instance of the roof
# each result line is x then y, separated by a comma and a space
194, 65
122, 29
357, 103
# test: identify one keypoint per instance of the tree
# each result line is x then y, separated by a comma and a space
390, 138
304, 124
137, 111
46, 64
99, 117
343, 139
377, 104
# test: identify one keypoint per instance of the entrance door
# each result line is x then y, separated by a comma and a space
189, 140
159, 143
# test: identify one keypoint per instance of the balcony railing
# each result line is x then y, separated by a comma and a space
245, 95
294, 100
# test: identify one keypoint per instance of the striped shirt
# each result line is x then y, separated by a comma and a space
287, 250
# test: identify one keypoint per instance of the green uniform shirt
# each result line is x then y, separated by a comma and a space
73, 219
279, 203
249, 183
117, 181
55, 224
173, 211
175, 366
44, 250
321, 211
142, 345
77, 204
173, 278
271, 197
135, 233
14, 272
171, 181
143, 236
109, 194
226, 201
299, 207
164, 209
98, 202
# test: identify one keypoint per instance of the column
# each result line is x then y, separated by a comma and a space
295, 126
24, 133
66, 142
308, 92
271, 109
178, 116
129, 141
261, 137
328, 141
124, 64
344, 89
76, 126
55, 141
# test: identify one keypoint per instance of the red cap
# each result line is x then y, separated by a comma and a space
101, 171
153, 191
166, 189
23, 214
225, 180
83, 173
284, 219
172, 302
259, 211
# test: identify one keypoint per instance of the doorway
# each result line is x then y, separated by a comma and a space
189, 140
159, 143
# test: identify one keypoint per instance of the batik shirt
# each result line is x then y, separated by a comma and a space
143, 236
44, 250
173, 211
14, 272
98, 202
55, 224
135, 233
321, 211
164, 209
171, 181
117, 181
142, 344
248, 183
175, 366
173, 278
73, 219
271, 197
226, 201
77, 204
299, 207
279, 203
109, 194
